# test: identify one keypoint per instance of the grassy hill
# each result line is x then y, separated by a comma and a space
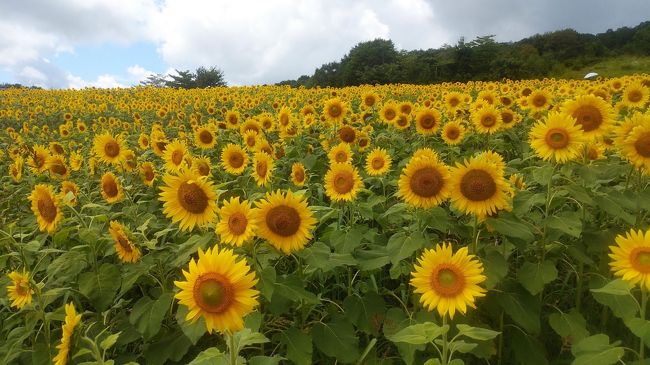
611, 67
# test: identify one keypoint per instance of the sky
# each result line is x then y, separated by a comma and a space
117, 43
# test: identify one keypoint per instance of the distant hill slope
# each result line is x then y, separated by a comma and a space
609, 67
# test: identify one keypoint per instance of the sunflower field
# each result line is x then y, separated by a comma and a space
476, 223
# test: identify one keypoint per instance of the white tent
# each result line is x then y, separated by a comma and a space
591, 76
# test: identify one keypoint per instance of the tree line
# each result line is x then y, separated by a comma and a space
379, 62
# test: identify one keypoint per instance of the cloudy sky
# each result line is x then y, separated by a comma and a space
112, 43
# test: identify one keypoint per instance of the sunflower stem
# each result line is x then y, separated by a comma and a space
547, 208
231, 347
475, 234
445, 343
644, 303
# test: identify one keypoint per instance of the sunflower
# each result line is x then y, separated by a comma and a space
158, 145
592, 114
509, 118
285, 221
234, 159
631, 258
557, 138
72, 319
427, 121
487, 119
369, 99
232, 119
424, 182
130, 161
46, 207
111, 188
220, 288
16, 169
347, 134
56, 148
143, 141
284, 117
636, 147
38, 159
334, 110
251, 139
236, 222
109, 149
188, 199
478, 187
539, 100
635, 95
341, 153
69, 192
262, 168
148, 173
389, 112
175, 155
19, 292
202, 166
453, 100
342, 182
204, 137
453, 132
126, 250
378, 162
402, 121
448, 281
57, 167
76, 160
298, 174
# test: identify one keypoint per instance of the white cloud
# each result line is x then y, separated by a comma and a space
138, 73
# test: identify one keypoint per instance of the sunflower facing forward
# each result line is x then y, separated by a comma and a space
262, 168
378, 162
342, 182
591, 113
631, 258
285, 221
448, 282
557, 138
19, 291
109, 149
220, 288
478, 187
46, 207
188, 199
234, 159
236, 222
298, 174
424, 182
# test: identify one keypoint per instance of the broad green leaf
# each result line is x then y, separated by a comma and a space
267, 282
191, 247
510, 226
476, 333
566, 222
542, 175
265, 360
147, 315
534, 276
246, 337
109, 341
596, 350
299, 346
419, 334
172, 346
402, 245
336, 339
100, 287
365, 312
570, 325
612, 208
522, 307
615, 287
373, 258
496, 268
291, 288
193, 331
461, 346
210, 356
640, 328
528, 350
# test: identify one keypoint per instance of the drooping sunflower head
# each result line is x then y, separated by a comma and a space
57, 167
591, 113
188, 199
148, 173
38, 159
557, 138
126, 250
72, 319
220, 287
109, 149
424, 182
298, 174
487, 119
237, 223
19, 291
69, 192
427, 121
378, 162
111, 188
46, 208
342, 182
478, 187
285, 221
234, 159
448, 282
453, 132
631, 258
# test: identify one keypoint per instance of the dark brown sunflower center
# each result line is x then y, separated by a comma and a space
488, 121
640, 259
341, 156
369, 101
452, 133
213, 293
507, 118
453, 102
642, 145
389, 114
402, 121
148, 174
261, 168
236, 160
205, 137
406, 109
557, 138
347, 134
203, 168
592, 153
426, 182
299, 175
377, 163
335, 111
634, 96
588, 117
112, 149
477, 185
39, 160
539, 101
232, 119
162, 145
343, 182
237, 223
363, 142
192, 197
58, 149
46, 208
124, 243
250, 141
177, 157
283, 220
58, 168
447, 280
428, 121
109, 186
